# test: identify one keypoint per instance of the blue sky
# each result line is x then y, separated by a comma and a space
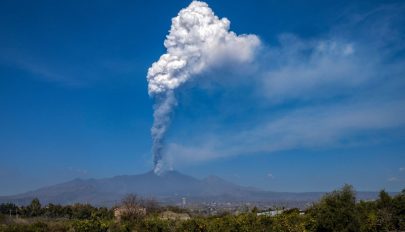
321, 104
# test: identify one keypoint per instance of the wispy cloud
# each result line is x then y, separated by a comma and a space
66, 73
305, 70
77, 171
393, 179
311, 127
34, 66
270, 175
346, 89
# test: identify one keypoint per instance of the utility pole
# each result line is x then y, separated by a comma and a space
10, 213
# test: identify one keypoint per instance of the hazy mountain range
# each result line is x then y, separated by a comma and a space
169, 187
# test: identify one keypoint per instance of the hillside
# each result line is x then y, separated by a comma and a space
169, 187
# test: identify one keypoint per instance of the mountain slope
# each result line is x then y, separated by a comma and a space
169, 187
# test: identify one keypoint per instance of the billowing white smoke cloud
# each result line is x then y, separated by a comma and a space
197, 41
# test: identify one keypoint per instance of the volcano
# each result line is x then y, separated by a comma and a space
169, 187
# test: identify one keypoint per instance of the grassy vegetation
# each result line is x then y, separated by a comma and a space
336, 211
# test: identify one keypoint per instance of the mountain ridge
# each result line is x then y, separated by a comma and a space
169, 187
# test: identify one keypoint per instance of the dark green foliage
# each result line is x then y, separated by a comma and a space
390, 212
90, 226
35, 208
80, 211
195, 224
336, 211
36, 227
398, 208
57, 211
288, 221
120, 227
8, 208
367, 215
157, 225
76, 211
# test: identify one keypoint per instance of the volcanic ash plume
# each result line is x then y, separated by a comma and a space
197, 40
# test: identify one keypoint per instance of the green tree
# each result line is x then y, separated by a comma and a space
385, 213
35, 208
398, 203
367, 211
336, 212
5, 208
82, 211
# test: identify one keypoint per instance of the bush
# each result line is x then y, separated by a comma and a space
36, 227
89, 226
157, 225
290, 221
336, 212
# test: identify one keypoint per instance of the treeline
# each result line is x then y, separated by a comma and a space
336, 211
76, 211
339, 211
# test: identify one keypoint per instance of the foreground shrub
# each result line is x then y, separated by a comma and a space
36, 227
336, 212
90, 226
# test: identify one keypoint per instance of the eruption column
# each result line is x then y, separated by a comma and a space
197, 40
